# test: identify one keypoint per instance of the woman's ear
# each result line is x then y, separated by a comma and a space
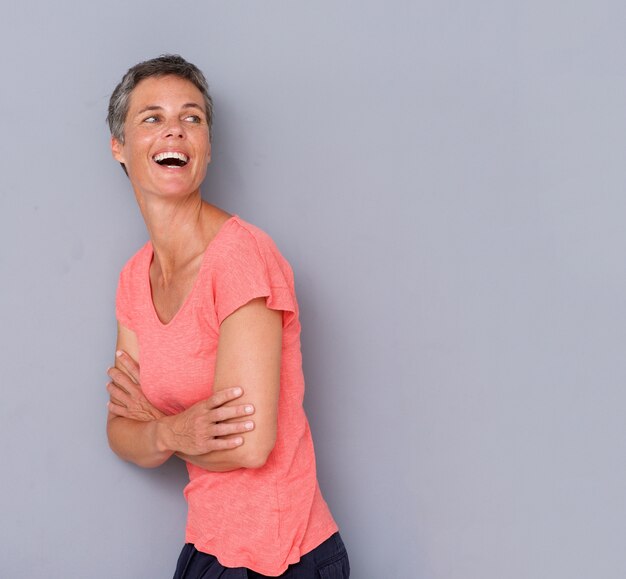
117, 150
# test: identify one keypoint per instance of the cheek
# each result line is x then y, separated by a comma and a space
136, 148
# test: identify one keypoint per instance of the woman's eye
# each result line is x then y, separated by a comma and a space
193, 119
151, 119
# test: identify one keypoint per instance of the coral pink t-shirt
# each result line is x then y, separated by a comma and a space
264, 519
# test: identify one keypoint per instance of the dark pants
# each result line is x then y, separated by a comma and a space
328, 561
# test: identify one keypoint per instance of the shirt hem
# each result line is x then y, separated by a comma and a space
266, 570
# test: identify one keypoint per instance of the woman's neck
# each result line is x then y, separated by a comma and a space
179, 230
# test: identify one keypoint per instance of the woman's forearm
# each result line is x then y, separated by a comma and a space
140, 443
137, 441
149, 443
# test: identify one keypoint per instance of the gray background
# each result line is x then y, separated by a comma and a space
447, 179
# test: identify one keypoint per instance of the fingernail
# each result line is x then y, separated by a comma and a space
237, 391
238, 440
249, 409
119, 353
249, 425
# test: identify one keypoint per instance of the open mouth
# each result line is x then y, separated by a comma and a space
171, 159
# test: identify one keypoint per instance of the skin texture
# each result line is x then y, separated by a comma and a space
233, 428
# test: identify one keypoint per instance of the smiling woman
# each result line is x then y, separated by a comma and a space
166, 137
208, 365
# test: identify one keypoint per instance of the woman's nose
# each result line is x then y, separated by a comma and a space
174, 128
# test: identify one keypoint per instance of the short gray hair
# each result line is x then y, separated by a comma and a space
164, 65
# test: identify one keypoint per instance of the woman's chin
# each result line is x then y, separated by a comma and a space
169, 190
168, 185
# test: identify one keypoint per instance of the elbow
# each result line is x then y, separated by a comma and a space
254, 460
258, 454
140, 461
120, 444
147, 463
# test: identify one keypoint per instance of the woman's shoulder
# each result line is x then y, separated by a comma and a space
245, 246
246, 228
245, 235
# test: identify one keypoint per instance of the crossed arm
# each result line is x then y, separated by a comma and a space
234, 428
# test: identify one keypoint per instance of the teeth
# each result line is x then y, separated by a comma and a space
171, 155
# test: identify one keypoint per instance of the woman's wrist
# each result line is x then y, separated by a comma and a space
163, 438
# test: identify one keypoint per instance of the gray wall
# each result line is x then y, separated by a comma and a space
447, 179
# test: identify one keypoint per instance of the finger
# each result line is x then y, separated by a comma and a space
212, 445
118, 410
122, 380
223, 396
118, 395
129, 363
227, 429
223, 443
227, 412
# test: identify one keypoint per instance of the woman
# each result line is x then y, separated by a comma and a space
208, 308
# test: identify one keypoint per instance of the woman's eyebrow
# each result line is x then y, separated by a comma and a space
149, 108
193, 106
158, 108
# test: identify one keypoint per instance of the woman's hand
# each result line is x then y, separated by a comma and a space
126, 397
202, 428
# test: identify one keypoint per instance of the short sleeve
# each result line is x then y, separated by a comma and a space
123, 301
250, 266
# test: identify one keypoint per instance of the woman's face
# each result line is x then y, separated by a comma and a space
166, 146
